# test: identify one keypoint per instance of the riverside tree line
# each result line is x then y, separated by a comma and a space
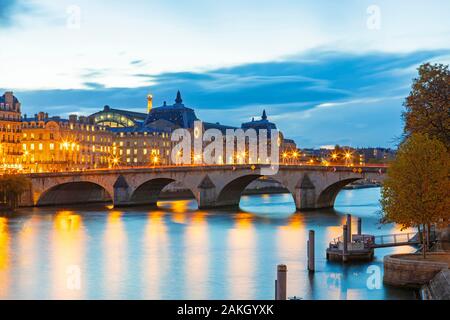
416, 192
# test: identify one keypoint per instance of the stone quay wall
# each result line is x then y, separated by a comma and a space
402, 270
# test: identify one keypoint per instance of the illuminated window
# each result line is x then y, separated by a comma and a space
128, 160
128, 151
24, 146
145, 151
135, 151
52, 146
121, 143
32, 146
41, 147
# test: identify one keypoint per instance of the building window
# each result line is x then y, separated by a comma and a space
41, 147
52, 146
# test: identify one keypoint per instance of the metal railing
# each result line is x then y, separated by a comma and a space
386, 239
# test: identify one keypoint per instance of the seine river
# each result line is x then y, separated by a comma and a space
179, 252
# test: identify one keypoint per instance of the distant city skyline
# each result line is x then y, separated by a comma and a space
324, 75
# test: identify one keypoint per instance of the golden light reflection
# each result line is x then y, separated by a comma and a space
179, 208
244, 220
296, 221
197, 253
68, 244
241, 257
291, 250
156, 255
115, 251
28, 251
4, 257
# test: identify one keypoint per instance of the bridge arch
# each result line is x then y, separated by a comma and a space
148, 193
231, 193
74, 192
328, 195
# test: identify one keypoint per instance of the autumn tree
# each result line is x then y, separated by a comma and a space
428, 104
11, 188
416, 192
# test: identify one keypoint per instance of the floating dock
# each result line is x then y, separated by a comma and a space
353, 247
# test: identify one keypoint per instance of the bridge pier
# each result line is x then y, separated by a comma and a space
305, 194
206, 196
122, 192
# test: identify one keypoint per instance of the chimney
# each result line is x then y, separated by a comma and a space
73, 118
9, 98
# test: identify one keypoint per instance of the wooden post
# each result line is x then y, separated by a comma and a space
311, 253
281, 282
276, 289
359, 226
349, 228
345, 239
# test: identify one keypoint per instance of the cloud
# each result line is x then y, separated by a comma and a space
319, 98
93, 85
9, 9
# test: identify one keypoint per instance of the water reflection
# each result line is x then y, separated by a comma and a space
115, 255
197, 253
155, 252
4, 257
241, 248
179, 252
67, 256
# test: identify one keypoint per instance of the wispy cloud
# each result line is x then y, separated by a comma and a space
8, 8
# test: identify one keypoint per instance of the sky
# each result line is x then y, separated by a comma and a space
327, 72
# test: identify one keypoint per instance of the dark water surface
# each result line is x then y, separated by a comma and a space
179, 252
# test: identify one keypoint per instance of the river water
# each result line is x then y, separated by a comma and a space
179, 252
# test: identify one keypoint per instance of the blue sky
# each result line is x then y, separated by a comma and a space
327, 72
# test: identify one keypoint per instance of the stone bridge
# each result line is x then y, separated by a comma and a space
312, 187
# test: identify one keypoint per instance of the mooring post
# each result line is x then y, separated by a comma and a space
276, 289
281, 289
359, 226
345, 239
349, 227
311, 253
